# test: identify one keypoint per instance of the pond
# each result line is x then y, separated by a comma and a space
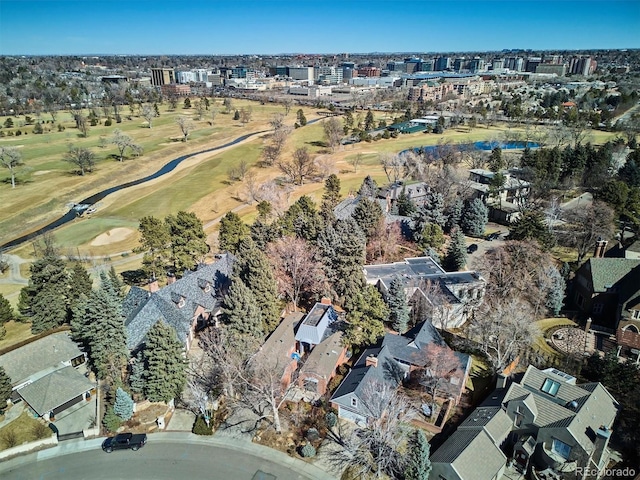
486, 145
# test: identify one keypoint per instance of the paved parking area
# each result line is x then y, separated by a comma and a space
181, 421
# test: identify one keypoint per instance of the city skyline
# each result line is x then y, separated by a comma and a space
76, 27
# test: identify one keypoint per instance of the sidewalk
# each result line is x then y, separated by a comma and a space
12, 413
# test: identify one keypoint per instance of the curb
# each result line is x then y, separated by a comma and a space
75, 446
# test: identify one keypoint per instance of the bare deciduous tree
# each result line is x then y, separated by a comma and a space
374, 450
333, 132
300, 167
186, 126
503, 328
122, 142
245, 115
584, 226
442, 367
355, 161
11, 158
298, 268
252, 383
83, 158
148, 113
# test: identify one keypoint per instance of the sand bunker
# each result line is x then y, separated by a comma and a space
112, 236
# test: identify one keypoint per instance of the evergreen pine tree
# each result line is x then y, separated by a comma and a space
80, 283
123, 406
240, 311
369, 187
418, 463
188, 240
232, 230
343, 253
474, 218
398, 308
255, 271
456, 256
404, 204
367, 215
454, 214
116, 281
432, 236
44, 301
165, 376
263, 233
98, 325
136, 377
5, 388
6, 311
496, 162
330, 198
154, 243
530, 225
432, 211
366, 317
555, 293
201, 427
302, 219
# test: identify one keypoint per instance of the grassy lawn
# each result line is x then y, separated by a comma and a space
16, 332
544, 325
10, 291
23, 429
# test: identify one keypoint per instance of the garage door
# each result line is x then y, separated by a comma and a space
351, 416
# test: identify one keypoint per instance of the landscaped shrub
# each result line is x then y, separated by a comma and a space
40, 430
123, 406
331, 419
108, 122
201, 428
308, 451
111, 421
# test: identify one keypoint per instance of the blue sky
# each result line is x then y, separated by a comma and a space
312, 26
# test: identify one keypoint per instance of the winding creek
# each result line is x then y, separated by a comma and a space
88, 202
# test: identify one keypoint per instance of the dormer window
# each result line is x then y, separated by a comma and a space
551, 387
354, 402
181, 302
207, 288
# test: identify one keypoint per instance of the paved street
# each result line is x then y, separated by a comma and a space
166, 456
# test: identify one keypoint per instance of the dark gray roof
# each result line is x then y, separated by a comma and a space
55, 389
472, 454
282, 340
47, 353
494, 420
201, 288
361, 376
408, 347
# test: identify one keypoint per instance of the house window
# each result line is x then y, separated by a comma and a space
354, 402
550, 386
561, 448
517, 421
597, 308
580, 300
635, 314
207, 288
181, 303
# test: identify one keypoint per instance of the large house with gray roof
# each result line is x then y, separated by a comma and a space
45, 374
193, 301
545, 422
450, 296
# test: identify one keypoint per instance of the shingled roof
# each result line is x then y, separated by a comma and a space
55, 389
47, 353
176, 303
472, 454
607, 272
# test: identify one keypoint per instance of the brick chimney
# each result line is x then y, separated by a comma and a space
601, 246
171, 278
153, 286
371, 361
325, 301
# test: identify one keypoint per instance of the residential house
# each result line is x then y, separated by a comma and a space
49, 374
554, 426
374, 368
186, 305
320, 336
505, 201
473, 451
279, 350
607, 290
449, 296
411, 353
